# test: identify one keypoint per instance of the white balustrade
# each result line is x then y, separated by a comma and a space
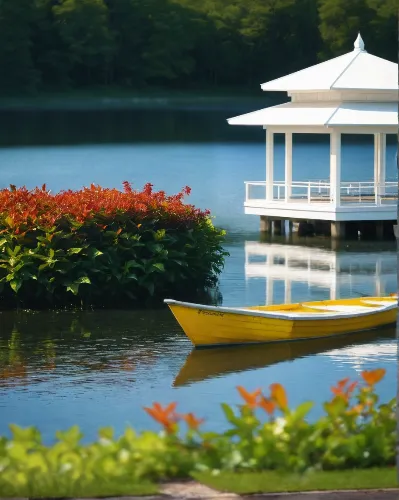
352, 192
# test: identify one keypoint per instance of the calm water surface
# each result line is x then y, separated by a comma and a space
170, 148
99, 368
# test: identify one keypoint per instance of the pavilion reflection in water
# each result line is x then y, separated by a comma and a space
295, 273
338, 274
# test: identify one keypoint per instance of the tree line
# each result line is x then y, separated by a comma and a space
61, 44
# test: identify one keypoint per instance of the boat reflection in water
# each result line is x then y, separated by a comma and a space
294, 273
203, 364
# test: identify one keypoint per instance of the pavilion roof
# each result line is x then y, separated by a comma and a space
327, 114
356, 70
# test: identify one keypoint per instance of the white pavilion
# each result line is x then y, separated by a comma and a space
356, 93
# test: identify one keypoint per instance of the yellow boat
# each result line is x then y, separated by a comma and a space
216, 326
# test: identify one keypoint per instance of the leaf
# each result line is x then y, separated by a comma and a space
180, 263
106, 433
73, 287
73, 251
24, 435
279, 395
93, 253
9, 221
133, 263
72, 436
15, 285
302, 410
83, 280
229, 413
159, 266
3, 241
372, 377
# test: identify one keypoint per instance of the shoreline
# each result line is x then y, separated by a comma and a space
99, 99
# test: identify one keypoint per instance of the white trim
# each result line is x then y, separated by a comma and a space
324, 212
288, 316
344, 129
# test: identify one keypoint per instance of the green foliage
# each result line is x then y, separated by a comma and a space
117, 266
106, 260
245, 483
351, 434
340, 20
89, 44
17, 69
132, 43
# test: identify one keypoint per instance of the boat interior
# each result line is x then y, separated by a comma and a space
357, 305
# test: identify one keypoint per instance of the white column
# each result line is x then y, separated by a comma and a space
335, 168
380, 141
287, 291
334, 292
378, 278
382, 162
288, 165
269, 164
269, 290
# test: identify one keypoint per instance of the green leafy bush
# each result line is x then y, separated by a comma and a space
103, 247
355, 432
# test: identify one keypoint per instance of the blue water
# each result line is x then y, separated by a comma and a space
170, 150
100, 368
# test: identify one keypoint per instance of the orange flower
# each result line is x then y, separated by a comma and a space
268, 405
250, 398
279, 396
372, 377
165, 416
192, 421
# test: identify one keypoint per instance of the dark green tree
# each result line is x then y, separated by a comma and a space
83, 28
384, 28
49, 52
17, 69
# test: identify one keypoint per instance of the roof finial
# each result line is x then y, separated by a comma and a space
359, 44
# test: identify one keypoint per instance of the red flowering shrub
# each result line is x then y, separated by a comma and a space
123, 246
26, 209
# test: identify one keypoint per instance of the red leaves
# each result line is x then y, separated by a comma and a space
166, 416
344, 389
251, 398
372, 377
38, 207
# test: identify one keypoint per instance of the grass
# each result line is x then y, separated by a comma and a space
277, 482
239, 483
88, 489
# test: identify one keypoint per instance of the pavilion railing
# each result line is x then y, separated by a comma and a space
367, 193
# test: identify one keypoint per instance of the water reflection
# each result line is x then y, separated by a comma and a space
34, 347
295, 271
203, 364
99, 368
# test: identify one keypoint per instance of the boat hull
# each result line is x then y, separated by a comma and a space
216, 326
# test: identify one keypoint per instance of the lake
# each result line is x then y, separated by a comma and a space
170, 148
99, 368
